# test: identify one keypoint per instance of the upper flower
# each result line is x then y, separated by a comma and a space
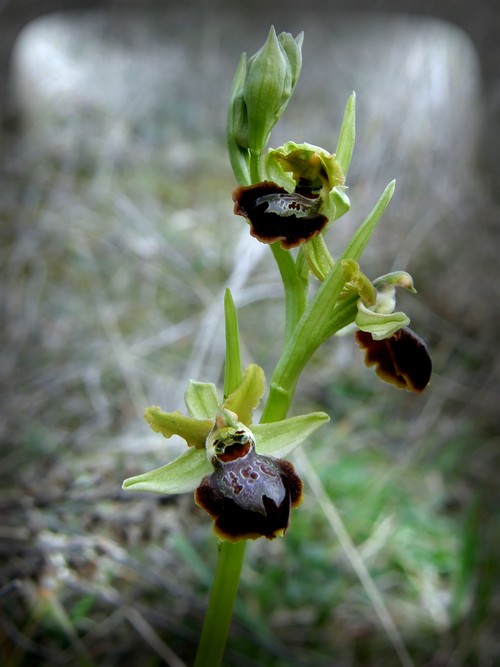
304, 193
238, 479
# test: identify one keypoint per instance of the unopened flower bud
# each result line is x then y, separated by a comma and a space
261, 89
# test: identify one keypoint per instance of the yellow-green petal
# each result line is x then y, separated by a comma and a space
201, 400
194, 431
246, 397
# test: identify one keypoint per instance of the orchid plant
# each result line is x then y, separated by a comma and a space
290, 197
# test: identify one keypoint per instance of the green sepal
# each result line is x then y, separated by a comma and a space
246, 397
181, 475
318, 257
282, 437
201, 400
293, 49
237, 126
290, 163
193, 431
185, 473
337, 203
380, 325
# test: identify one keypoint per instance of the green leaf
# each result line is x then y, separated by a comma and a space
282, 437
246, 397
181, 475
365, 231
233, 374
317, 323
347, 136
194, 431
201, 400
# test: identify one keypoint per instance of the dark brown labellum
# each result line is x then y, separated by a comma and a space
250, 496
277, 215
402, 359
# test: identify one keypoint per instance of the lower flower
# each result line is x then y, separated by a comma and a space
248, 495
250, 498
237, 474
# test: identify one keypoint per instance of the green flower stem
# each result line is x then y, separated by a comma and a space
255, 167
295, 287
220, 607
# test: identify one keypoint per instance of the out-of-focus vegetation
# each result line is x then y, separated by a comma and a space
117, 241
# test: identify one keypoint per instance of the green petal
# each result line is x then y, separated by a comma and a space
281, 437
246, 397
380, 325
398, 279
183, 474
194, 431
291, 162
336, 204
355, 280
201, 400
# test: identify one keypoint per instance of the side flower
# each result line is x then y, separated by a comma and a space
236, 472
399, 355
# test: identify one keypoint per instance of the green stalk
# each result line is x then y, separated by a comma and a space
255, 167
295, 288
220, 607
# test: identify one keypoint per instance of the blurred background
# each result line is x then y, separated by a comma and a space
117, 242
